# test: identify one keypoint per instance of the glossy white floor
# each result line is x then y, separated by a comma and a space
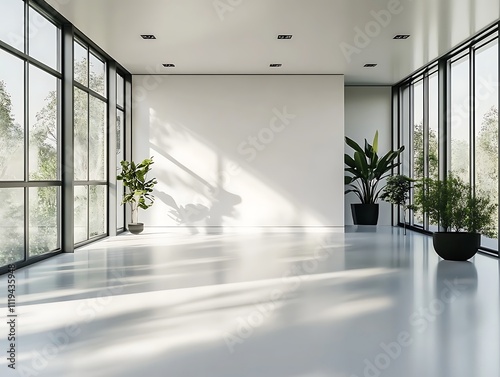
369, 302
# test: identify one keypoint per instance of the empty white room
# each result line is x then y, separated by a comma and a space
249, 188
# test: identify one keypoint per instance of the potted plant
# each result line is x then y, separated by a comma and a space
365, 171
138, 189
461, 214
397, 192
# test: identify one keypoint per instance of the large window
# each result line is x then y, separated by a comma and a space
54, 160
418, 105
419, 156
432, 140
486, 123
120, 147
451, 125
460, 116
30, 124
90, 143
11, 118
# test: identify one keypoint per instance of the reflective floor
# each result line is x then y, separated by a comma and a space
370, 302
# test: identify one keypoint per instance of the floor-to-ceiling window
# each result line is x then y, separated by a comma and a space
485, 120
418, 118
448, 116
460, 117
34, 51
417, 149
120, 147
30, 120
432, 138
90, 143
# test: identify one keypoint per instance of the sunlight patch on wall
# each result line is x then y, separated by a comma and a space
198, 185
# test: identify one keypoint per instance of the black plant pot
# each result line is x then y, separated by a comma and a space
136, 228
456, 246
364, 214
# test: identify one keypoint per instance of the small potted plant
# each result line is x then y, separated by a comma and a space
462, 215
138, 189
365, 171
397, 192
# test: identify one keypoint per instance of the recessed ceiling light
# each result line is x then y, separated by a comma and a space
148, 36
285, 36
275, 65
402, 36
169, 65
370, 65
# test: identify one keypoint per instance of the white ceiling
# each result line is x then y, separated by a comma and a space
241, 36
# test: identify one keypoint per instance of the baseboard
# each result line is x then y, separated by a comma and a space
244, 229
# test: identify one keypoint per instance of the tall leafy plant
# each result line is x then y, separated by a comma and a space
397, 192
366, 169
138, 188
455, 207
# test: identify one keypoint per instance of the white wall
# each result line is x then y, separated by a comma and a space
200, 128
368, 109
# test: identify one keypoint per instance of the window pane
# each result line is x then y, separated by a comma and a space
97, 210
11, 118
418, 140
120, 143
486, 126
120, 209
460, 110
12, 231
43, 110
43, 220
120, 91
120, 137
12, 23
81, 213
97, 75
433, 126
405, 94
43, 40
81, 64
405, 135
418, 130
433, 158
81, 135
97, 139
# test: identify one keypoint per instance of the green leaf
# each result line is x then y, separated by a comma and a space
375, 142
348, 180
361, 162
349, 161
134, 180
356, 174
353, 145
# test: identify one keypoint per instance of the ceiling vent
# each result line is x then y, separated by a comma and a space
370, 65
285, 36
169, 65
402, 36
275, 65
148, 36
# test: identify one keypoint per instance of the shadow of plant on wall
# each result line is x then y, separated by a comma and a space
191, 214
